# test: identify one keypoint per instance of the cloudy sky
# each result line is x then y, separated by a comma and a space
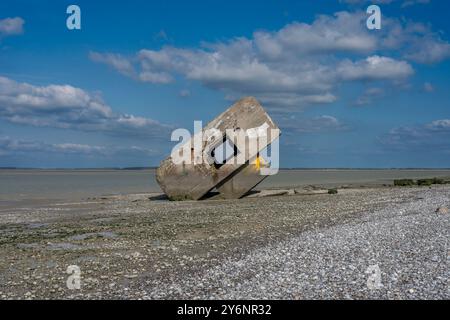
110, 94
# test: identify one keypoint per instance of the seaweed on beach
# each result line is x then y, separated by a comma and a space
404, 182
420, 182
332, 191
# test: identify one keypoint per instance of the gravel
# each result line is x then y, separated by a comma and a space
406, 243
384, 243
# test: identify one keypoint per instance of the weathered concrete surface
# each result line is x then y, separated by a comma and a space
192, 181
242, 180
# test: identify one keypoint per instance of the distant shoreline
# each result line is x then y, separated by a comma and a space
16, 184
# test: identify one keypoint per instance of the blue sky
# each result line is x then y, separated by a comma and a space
110, 94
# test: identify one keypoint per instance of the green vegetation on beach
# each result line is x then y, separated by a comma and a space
332, 191
404, 182
420, 182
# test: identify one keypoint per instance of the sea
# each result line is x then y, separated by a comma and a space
19, 184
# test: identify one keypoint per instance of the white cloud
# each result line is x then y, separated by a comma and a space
286, 81
341, 32
443, 124
405, 3
415, 41
10, 146
325, 123
300, 64
155, 77
409, 3
369, 95
429, 50
118, 62
375, 68
434, 136
65, 106
77, 148
285, 102
11, 26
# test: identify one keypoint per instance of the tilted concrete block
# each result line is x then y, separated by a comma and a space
194, 178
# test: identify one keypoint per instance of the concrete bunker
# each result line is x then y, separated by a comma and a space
233, 165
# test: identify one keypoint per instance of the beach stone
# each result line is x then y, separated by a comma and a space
270, 193
309, 191
442, 210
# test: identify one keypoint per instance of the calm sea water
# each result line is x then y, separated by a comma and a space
78, 184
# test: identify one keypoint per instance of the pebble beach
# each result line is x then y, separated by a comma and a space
362, 243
